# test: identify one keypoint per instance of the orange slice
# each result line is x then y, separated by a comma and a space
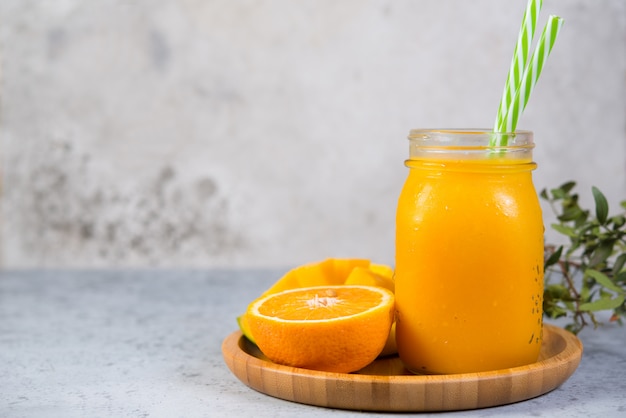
328, 328
242, 321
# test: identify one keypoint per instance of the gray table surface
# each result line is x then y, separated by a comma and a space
148, 344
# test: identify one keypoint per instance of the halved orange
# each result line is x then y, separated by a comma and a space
382, 276
329, 328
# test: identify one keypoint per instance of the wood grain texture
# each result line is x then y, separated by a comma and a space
385, 385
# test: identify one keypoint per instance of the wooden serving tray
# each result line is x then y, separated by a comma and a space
385, 385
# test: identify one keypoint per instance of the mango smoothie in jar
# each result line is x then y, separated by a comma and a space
469, 254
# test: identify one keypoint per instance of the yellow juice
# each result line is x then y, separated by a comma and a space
469, 262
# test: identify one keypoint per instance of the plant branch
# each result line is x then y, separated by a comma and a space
596, 252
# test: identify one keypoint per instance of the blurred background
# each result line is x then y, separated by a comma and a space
265, 133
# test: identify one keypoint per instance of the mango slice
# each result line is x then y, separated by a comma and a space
329, 272
367, 277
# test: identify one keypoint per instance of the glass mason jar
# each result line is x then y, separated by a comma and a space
469, 254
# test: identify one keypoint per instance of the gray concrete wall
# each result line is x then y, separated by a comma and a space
271, 132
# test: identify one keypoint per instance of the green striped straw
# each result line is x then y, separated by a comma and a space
531, 74
518, 89
520, 55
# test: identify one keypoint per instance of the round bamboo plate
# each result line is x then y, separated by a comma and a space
385, 385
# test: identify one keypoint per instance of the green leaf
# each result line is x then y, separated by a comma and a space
604, 280
572, 214
618, 222
544, 194
601, 253
555, 291
619, 264
582, 218
554, 258
602, 206
558, 194
556, 312
567, 187
602, 304
565, 230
